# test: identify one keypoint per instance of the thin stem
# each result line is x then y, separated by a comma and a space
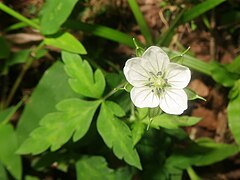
15, 108
192, 174
114, 91
182, 54
26, 66
18, 16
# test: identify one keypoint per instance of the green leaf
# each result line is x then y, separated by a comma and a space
199, 9
171, 121
52, 88
117, 135
54, 13
5, 48
192, 95
204, 152
31, 178
65, 41
233, 111
138, 129
95, 167
101, 31
82, 80
9, 144
141, 21
235, 65
217, 151
221, 75
3, 173
116, 110
19, 57
74, 117
4, 114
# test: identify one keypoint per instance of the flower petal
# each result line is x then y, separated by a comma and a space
155, 59
177, 76
135, 73
144, 97
174, 101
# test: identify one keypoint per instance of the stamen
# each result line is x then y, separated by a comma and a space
150, 84
159, 73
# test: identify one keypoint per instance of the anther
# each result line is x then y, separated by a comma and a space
159, 90
159, 73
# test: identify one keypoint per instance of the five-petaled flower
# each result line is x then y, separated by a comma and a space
157, 82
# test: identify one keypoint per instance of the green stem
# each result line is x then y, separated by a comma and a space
192, 174
22, 73
9, 116
18, 16
113, 91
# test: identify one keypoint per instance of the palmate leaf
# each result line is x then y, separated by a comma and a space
94, 168
74, 117
116, 134
138, 130
52, 88
82, 80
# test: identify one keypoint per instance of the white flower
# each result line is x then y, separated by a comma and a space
157, 82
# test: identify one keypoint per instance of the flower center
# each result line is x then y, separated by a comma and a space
157, 82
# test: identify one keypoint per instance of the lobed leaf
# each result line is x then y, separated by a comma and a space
74, 117
52, 88
9, 144
138, 129
54, 13
94, 167
82, 80
117, 135
65, 41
